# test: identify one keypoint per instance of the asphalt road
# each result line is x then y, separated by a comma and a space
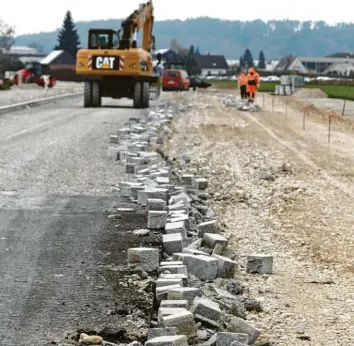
56, 189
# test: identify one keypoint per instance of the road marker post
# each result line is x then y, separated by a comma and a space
286, 107
273, 103
330, 116
304, 110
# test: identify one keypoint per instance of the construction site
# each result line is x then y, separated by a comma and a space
132, 216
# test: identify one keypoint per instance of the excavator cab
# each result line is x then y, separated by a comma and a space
103, 39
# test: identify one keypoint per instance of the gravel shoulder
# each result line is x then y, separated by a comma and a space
30, 92
282, 190
60, 255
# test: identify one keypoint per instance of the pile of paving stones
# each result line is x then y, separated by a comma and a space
198, 300
231, 101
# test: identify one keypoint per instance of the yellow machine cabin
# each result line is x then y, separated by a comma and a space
114, 67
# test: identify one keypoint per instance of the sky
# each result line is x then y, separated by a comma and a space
43, 15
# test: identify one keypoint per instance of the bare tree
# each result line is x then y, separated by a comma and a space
8, 62
7, 33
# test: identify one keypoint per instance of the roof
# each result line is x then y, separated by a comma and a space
32, 58
20, 50
325, 59
162, 51
51, 57
211, 61
285, 62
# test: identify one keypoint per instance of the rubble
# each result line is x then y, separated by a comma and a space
194, 251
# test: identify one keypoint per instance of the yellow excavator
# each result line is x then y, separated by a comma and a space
115, 67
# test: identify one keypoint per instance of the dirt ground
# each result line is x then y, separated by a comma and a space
282, 190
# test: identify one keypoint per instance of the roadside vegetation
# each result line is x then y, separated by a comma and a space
337, 91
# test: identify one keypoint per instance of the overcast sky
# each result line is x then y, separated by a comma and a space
31, 18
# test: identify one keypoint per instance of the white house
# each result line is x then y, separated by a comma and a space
212, 65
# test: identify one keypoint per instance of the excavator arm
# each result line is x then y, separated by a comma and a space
141, 18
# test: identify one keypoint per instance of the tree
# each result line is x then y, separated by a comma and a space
261, 61
7, 33
68, 38
197, 53
191, 62
248, 58
8, 62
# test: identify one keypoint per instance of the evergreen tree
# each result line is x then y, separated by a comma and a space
261, 61
248, 58
197, 53
68, 38
242, 63
191, 62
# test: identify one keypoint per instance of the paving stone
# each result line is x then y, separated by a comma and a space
188, 179
122, 155
146, 258
174, 304
113, 139
184, 257
169, 263
172, 243
134, 192
176, 227
157, 193
179, 218
184, 293
180, 196
129, 168
157, 219
160, 282
162, 292
174, 269
194, 252
162, 180
238, 325
158, 332
139, 161
261, 264
200, 184
163, 311
156, 204
203, 267
184, 322
236, 343
206, 311
183, 277
170, 340
211, 239
140, 168
226, 267
226, 339
143, 197
113, 152
208, 227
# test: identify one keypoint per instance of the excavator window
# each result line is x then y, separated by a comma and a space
103, 39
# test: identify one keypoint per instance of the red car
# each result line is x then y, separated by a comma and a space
175, 80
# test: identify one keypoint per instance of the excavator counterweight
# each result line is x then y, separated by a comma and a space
115, 67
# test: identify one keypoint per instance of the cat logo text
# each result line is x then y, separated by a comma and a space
105, 63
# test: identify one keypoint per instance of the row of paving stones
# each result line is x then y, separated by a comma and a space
194, 251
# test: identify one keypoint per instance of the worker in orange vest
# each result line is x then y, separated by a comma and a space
253, 82
242, 83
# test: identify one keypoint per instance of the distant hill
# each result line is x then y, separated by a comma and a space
275, 38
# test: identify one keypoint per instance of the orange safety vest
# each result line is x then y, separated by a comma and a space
242, 80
